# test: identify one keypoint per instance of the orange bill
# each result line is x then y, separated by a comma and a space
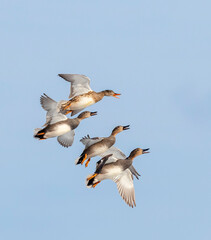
116, 94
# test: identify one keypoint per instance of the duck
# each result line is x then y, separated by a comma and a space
81, 93
81, 96
62, 127
100, 146
116, 152
118, 171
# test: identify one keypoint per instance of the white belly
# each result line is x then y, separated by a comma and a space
99, 151
113, 172
59, 130
83, 103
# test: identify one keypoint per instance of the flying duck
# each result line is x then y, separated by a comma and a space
61, 127
100, 147
81, 96
118, 171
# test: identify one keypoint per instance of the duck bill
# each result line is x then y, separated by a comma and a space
126, 127
93, 113
146, 150
116, 94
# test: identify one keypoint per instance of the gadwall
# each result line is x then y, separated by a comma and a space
62, 127
118, 171
100, 147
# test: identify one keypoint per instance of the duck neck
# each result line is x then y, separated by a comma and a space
98, 96
113, 134
79, 119
74, 122
110, 141
102, 93
134, 154
131, 156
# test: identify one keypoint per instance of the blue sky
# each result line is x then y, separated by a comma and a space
157, 54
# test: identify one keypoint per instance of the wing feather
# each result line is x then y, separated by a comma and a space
87, 141
47, 103
58, 117
80, 84
125, 187
66, 140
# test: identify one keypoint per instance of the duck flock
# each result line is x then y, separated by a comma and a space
114, 164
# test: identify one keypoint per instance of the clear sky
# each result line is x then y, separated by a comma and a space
156, 53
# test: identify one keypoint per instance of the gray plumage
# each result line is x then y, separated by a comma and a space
62, 127
118, 171
101, 146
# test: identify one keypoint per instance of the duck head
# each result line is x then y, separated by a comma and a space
119, 129
138, 151
86, 114
110, 93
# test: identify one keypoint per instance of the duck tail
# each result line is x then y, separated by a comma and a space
77, 161
80, 159
39, 133
89, 183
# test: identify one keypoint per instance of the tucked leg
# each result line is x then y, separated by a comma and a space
66, 105
94, 175
95, 184
42, 133
85, 156
68, 111
87, 162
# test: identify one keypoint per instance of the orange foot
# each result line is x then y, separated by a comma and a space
42, 133
95, 184
66, 105
68, 111
84, 159
87, 162
94, 175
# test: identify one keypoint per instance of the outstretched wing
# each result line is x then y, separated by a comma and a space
87, 141
66, 140
47, 103
116, 154
57, 117
52, 107
80, 84
125, 187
